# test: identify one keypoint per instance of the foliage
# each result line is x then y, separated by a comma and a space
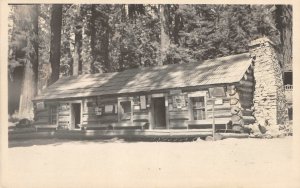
22, 36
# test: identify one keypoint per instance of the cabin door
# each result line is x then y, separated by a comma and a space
75, 115
159, 115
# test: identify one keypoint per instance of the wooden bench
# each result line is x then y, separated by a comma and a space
46, 126
209, 122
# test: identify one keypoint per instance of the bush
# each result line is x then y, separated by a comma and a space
24, 123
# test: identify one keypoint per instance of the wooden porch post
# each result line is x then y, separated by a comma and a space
119, 110
167, 111
150, 113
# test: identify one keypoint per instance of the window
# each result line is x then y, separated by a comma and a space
52, 115
198, 107
109, 108
125, 110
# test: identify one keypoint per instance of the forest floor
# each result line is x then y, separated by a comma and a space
115, 163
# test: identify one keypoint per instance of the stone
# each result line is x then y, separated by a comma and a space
269, 98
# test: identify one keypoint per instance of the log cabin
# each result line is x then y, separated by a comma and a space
235, 90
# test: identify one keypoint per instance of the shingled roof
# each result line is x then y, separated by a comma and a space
227, 69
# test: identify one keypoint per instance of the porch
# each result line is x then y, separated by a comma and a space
136, 134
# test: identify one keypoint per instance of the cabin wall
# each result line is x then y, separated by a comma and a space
244, 94
42, 116
140, 108
45, 113
99, 111
188, 110
180, 107
178, 110
221, 110
104, 111
64, 113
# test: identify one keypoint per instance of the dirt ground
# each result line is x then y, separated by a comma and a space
115, 163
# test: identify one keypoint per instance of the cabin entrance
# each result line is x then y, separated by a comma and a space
75, 115
159, 113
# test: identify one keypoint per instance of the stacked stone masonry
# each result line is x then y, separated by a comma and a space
269, 98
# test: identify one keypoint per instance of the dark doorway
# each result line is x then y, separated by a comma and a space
159, 110
76, 115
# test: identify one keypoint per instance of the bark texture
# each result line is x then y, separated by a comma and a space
29, 85
56, 23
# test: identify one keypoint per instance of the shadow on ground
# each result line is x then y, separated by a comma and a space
57, 142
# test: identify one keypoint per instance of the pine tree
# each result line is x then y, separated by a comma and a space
77, 65
284, 25
24, 53
165, 33
67, 40
56, 23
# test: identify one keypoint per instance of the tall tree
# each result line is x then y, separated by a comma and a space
177, 24
93, 37
44, 46
164, 36
28, 25
77, 66
56, 23
105, 35
283, 14
67, 41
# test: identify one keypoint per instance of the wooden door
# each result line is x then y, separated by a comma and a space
76, 115
159, 112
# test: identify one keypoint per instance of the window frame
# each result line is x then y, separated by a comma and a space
191, 106
52, 114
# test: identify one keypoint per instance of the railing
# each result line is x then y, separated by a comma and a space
288, 87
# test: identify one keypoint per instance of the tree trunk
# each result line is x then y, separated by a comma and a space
93, 38
164, 37
56, 23
29, 85
122, 50
105, 41
284, 24
177, 26
77, 65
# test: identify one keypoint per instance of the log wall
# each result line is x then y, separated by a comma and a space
242, 99
230, 106
92, 118
42, 116
178, 117
64, 118
245, 89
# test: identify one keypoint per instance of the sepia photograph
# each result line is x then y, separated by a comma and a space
148, 95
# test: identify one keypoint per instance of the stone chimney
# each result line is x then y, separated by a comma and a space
269, 99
